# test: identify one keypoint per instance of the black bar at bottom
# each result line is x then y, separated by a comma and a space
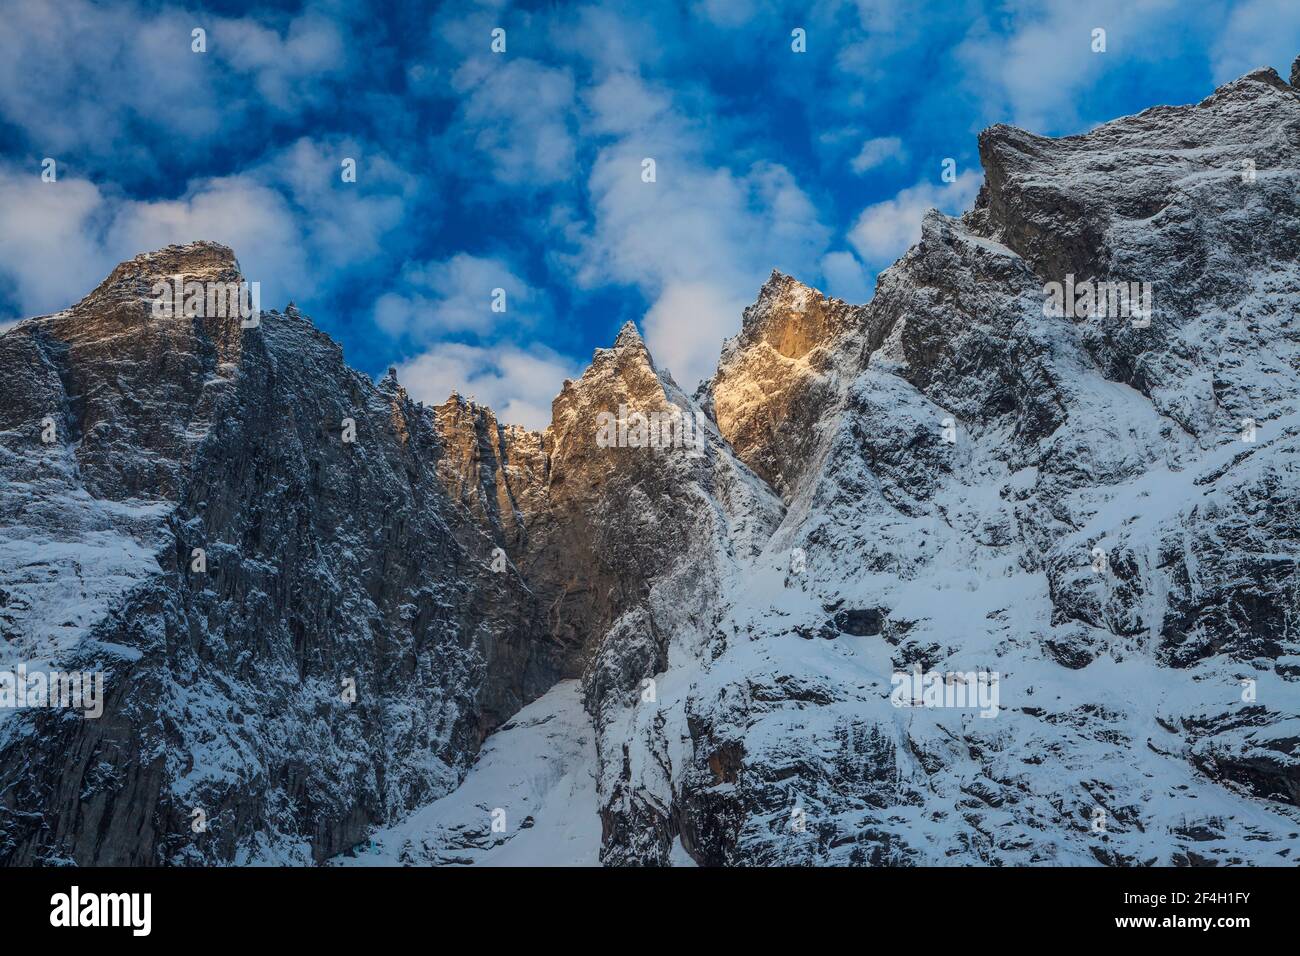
333, 906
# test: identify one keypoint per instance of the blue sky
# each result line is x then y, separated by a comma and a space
522, 170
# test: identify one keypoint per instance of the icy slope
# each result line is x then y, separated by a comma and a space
966, 473
687, 651
529, 800
1075, 504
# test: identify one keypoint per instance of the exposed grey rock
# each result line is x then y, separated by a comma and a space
948, 477
1070, 434
326, 561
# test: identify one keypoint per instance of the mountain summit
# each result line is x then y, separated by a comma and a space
998, 568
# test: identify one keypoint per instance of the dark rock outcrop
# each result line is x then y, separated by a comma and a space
1091, 513
329, 564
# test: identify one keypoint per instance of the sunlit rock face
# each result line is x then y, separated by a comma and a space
778, 378
674, 652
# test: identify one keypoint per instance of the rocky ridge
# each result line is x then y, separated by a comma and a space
946, 477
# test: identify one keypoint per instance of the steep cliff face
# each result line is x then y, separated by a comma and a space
330, 564
637, 516
488, 468
778, 379
1074, 502
680, 643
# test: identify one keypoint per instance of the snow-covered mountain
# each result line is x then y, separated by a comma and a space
593, 645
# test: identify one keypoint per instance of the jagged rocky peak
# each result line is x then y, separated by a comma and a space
331, 553
985, 492
793, 318
629, 337
458, 408
459, 414
622, 375
1196, 202
775, 377
130, 290
112, 351
1056, 202
629, 363
202, 258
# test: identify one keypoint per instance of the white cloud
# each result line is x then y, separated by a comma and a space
876, 152
49, 252
288, 219
622, 103
845, 277
884, 230
238, 211
344, 222
699, 240
456, 295
685, 328
1033, 74
731, 13
885, 30
285, 68
83, 79
518, 114
59, 240
611, 39
136, 65
517, 384
698, 235
1258, 33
